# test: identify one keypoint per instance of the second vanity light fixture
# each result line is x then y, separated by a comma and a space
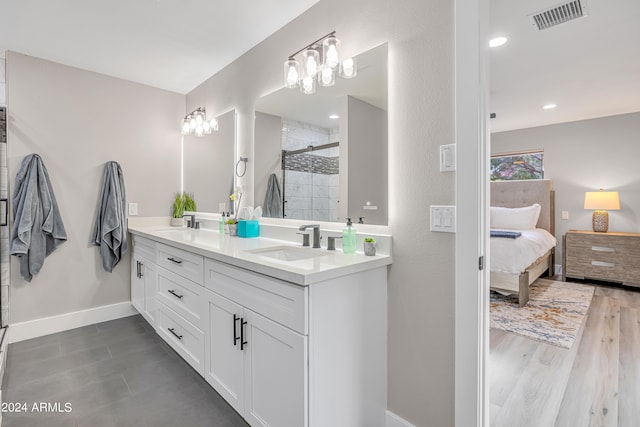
196, 123
320, 63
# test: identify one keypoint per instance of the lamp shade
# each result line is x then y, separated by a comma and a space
602, 200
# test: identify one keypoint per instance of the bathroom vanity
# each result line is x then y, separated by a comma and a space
289, 336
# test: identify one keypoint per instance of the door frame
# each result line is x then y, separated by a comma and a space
472, 192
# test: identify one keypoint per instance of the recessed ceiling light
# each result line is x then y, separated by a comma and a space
549, 106
497, 41
334, 116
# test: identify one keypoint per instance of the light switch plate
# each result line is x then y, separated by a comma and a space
565, 214
133, 209
447, 158
443, 219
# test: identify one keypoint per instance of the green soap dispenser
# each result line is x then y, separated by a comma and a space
349, 238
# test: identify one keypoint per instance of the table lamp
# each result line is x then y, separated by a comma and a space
600, 201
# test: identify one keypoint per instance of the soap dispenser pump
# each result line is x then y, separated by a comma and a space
349, 238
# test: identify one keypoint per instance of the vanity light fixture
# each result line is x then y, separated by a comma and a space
334, 116
196, 123
320, 63
549, 107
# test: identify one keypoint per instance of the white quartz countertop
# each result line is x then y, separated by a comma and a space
237, 251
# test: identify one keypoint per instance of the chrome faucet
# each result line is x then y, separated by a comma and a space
192, 220
316, 233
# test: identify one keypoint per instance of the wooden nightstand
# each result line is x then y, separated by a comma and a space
613, 257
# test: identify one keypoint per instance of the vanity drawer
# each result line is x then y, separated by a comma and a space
183, 263
144, 247
183, 296
182, 336
279, 301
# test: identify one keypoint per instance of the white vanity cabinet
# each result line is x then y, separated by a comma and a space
258, 365
305, 350
144, 279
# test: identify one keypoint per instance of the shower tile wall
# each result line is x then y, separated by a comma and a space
311, 196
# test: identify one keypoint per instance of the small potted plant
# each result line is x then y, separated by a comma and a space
369, 246
177, 211
232, 224
182, 202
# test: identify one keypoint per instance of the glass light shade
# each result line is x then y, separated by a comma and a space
185, 127
348, 68
199, 117
206, 126
311, 62
327, 77
331, 51
291, 73
192, 123
214, 124
199, 130
308, 85
602, 200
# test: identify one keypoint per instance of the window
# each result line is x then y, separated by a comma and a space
525, 165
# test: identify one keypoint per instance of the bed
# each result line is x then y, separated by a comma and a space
517, 194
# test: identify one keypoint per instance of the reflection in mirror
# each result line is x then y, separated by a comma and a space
327, 151
208, 163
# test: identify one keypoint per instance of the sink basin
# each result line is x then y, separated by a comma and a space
288, 253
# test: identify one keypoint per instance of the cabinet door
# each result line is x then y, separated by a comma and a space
137, 284
275, 374
150, 278
223, 358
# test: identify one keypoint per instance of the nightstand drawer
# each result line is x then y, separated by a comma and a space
617, 245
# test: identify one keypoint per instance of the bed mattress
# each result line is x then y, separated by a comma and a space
513, 256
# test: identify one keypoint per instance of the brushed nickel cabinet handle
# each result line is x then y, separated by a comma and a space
602, 264
602, 249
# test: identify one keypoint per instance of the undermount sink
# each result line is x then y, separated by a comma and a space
288, 253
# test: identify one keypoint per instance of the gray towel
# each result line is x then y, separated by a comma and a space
110, 229
37, 225
272, 206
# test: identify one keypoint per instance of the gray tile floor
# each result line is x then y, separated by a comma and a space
113, 374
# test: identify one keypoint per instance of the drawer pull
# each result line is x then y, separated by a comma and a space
172, 292
177, 261
602, 249
174, 333
602, 264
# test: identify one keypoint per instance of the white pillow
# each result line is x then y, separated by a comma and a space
515, 218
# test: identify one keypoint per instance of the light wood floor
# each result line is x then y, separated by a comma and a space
595, 383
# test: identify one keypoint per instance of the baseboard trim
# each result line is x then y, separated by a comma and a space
50, 325
392, 420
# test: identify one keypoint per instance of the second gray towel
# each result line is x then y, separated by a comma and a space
110, 229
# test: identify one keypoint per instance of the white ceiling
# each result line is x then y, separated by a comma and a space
589, 67
169, 44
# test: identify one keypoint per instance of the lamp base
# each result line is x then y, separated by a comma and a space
600, 221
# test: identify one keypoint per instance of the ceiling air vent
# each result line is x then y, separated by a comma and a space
559, 14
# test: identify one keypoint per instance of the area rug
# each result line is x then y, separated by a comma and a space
554, 313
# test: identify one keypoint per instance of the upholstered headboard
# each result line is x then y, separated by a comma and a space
516, 194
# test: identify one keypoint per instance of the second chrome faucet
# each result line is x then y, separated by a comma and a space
316, 233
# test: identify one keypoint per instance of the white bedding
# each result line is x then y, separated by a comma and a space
513, 256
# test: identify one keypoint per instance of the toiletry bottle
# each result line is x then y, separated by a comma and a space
349, 238
221, 223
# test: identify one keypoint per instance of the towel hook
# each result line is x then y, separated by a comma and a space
244, 170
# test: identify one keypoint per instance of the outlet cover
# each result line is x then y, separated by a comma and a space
133, 209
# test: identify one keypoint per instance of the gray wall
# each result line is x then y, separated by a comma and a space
585, 156
209, 163
267, 153
365, 141
421, 117
78, 120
